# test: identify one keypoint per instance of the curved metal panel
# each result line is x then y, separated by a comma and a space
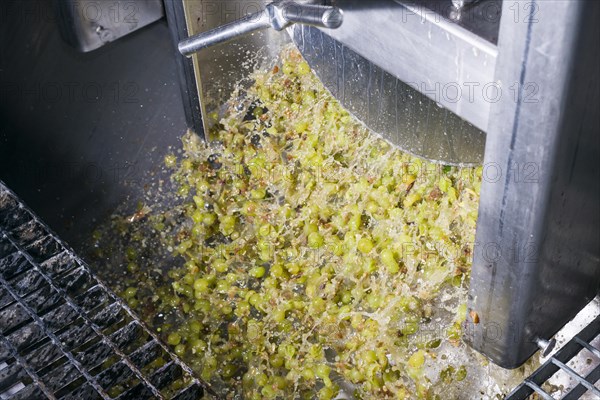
396, 110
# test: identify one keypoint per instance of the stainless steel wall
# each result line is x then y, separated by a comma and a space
537, 258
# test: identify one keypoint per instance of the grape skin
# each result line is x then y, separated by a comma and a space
318, 237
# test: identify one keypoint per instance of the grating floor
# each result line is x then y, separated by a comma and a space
63, 334
584, 345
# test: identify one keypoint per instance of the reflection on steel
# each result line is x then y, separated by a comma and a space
420, 79
396, 110
542, 211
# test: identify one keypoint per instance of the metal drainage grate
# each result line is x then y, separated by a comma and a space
63, 334
559, 362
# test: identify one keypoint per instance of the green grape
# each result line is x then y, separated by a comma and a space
201, 285
133, 303
315, 240
265, 230
411, 199
228, 224
130, 292
220, 265
312, 237
322, 371
258, 194
301, 127
180, 350
327, 393
288, 68
365, 245
278, 315
174, 339
209, 218
346, 297
132, 267
444, 184
417, 359
303, 68
461, 374
277, 271
222, 286
257, 272
355, 222
388, 259
196, 326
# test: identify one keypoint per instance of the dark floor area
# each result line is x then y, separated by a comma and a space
79, 133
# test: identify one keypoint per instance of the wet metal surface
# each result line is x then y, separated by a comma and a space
63, 334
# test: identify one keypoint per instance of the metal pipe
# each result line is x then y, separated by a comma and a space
308, 14
278, 15
224, 33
